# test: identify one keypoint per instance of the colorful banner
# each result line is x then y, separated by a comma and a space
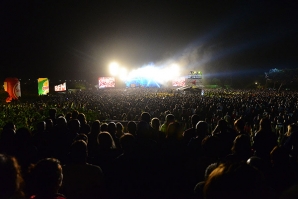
60, 87
43, 86
13, 87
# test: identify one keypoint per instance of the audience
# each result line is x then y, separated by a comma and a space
150, 143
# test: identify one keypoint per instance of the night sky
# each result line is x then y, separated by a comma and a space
67, 40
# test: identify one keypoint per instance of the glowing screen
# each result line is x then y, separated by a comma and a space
61, 87
106, 82
178, 82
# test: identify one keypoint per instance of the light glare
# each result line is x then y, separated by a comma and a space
123, 74
114, 67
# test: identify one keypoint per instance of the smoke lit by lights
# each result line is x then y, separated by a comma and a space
150, 72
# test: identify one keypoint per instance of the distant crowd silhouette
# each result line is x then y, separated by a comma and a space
150, 143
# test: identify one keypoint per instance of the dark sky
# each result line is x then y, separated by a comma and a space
68, 40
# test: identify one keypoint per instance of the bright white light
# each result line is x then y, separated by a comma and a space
169, 73
174, 71
123, 74
150, 72
160, 77
132, 74
114, 68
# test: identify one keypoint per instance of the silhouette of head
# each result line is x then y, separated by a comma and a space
146, 117
170, 118
194, 120
78, 152
10, 177
202, 128
47, 177
132, 127
233, 181
105, 140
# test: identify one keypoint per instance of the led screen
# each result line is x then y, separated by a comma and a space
106, 82
60, 87
179, 82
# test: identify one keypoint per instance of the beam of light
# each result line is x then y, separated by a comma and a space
247, 45
217, 30
235, 73
198, 53
81, 55
189, 57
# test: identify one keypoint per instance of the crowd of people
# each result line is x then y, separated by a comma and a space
150, 143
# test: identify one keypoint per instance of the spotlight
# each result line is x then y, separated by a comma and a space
114, 68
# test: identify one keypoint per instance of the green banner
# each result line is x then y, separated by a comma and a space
43, 86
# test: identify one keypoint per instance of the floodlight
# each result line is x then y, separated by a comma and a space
114, 67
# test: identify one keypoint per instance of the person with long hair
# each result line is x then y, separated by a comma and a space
11, 180
46, 179
92, 138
